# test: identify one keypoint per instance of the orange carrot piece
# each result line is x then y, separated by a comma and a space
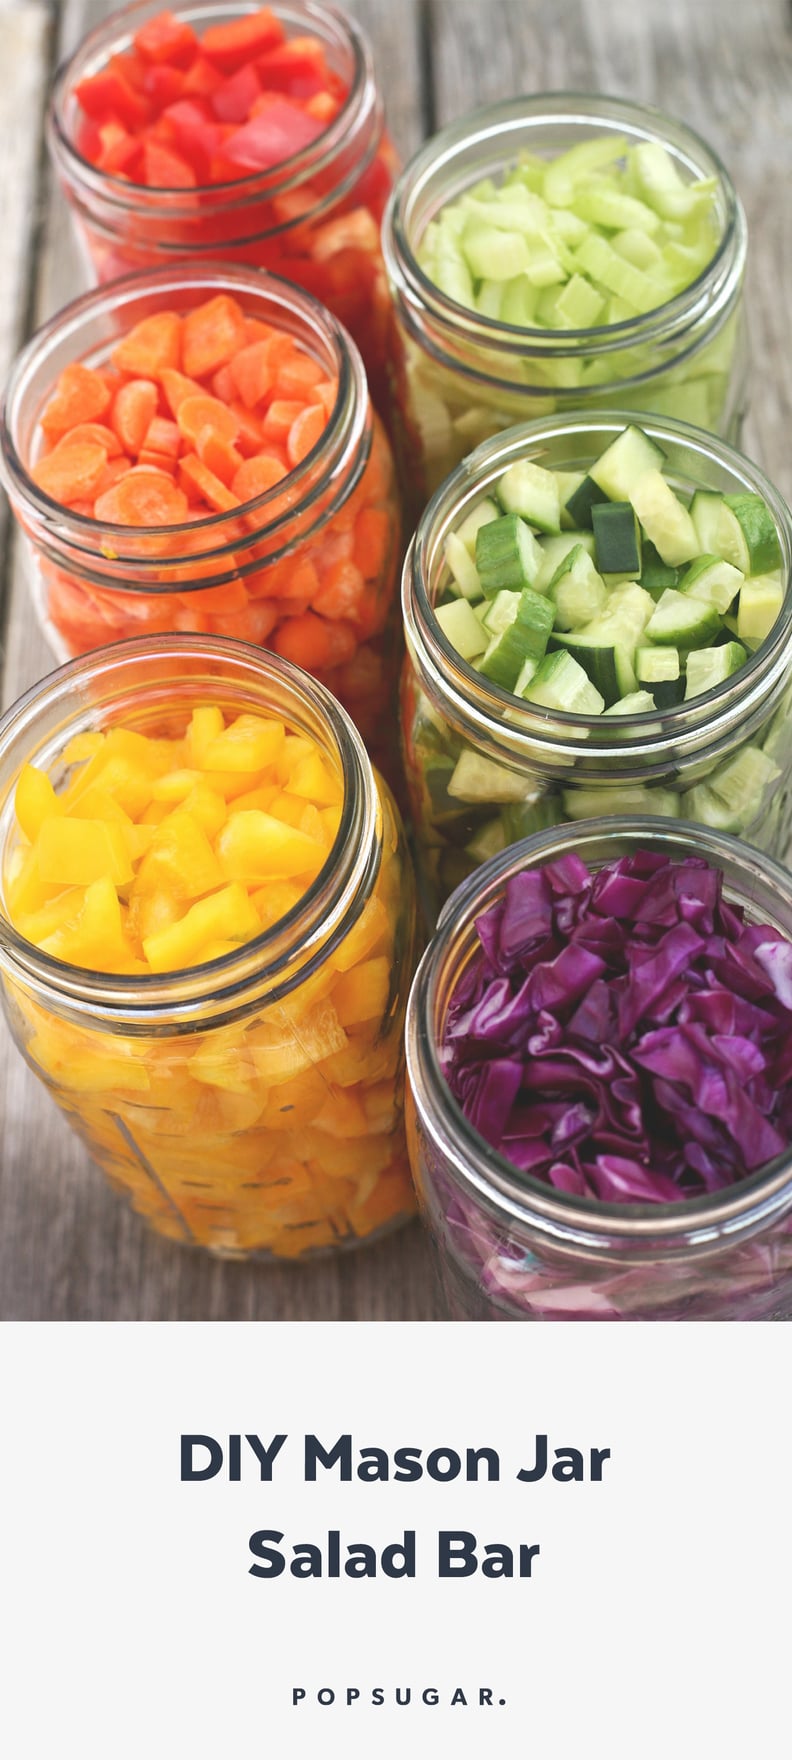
195, 414
215, 493
340, 592
218, 454
304, 640
250, 438
163, 436
325, 393
134, 408
371, 542
71, 473
256, 476
304, 433
257, 331
277, 423
223, 385
80, 396
177, 387
143, 498
96, 432
296, 377
150, 346
251, 373
157, 461
213, 333
114, 470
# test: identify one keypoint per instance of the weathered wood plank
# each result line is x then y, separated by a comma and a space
68, 1249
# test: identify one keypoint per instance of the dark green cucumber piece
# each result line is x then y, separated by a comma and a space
655, 574
525, 638
618, 540
658, 671
507, 554
581, 502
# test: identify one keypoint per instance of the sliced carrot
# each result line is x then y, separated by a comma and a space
296, 377
150, 346
304, 640
219, 498
157, 461
250, 438
257, 331
134, 408
163, 436
325, 393
277, 423
304, 433
219, 454
71, 473
223, 385
372, 539
256, 476
253, 624
195, 414
80, 396
340, 591
177, 387
114, 470
96, 432
251, 373
143, 498
213, 333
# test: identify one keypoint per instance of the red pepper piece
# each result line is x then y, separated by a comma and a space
230, 45
165, 170
278, 132
297, 67
232, 100
166, 39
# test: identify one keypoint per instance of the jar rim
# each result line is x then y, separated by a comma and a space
482, 704
507, 116
72, 694
564, 1219
344, 430
115, 32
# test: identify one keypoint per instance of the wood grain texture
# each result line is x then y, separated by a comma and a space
68, 1249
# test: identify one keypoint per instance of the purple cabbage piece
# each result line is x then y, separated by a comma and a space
625, 1036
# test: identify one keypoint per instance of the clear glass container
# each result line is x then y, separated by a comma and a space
331, 524
458, 377
512, 1248
314, 219
541, 767
227, 1103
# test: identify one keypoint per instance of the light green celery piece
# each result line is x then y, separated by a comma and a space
562, 175
545, 268
605, 205
547, 308
578, 305
490, 298
484, 191
492, 254
529, 172
599, 260
618, 311
518, 305
567, 226
661, 185
452, 276
529, 215
637, 247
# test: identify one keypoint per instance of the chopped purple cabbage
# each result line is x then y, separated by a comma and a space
625, 1035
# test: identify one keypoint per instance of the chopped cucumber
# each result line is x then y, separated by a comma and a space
524, 637
463, 629
625, 462
663, 518
684, 622
507, 554
577, 590
531, 492
658, 671
554, 550
743, 780
761, 599
759, 533
702, 804
476, 778
712, 580
578, 507
488, 842
707, 668
464, 573
561, 684
594, 804
484, 511
636, 703
655, 574
618, 540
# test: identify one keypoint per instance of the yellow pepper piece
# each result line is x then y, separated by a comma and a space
274, 901
207, 807
175, 785
83, 746
247, 744
73, 853
314, 780
361, 995
180, 860
34, 801
95, 939
63, 909
225, 916
364, 936
206, 723
254, 847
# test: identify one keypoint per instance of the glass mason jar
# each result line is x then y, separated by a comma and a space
458, 377
329, 530
539, 768
226, 1102
513, 1248
314, 219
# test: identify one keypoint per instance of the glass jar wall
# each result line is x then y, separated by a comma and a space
312, 216
251, 1105
511, 1247
485, 769
308, 568
459, 376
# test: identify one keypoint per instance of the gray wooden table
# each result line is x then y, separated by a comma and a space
68, 1249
